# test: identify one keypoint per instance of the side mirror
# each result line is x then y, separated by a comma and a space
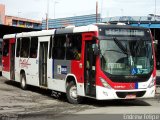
155, 42
96, 50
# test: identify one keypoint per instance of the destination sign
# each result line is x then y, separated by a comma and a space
124, 32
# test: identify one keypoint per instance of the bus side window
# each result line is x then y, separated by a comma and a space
33, 47
25, 42
74, 50
18, 48
68, 47
58, 50
6, 48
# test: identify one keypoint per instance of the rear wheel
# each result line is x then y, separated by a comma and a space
23, 81
72, 93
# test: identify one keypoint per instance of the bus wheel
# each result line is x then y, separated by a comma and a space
23, 81
72, 93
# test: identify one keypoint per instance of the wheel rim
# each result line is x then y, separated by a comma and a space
73, 92
23, 82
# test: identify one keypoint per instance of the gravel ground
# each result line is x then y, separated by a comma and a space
39, 104
34, 100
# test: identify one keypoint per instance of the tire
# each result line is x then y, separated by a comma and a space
72, 93
23, 81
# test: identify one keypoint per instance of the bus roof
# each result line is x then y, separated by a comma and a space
36, 33
9, 36
88, 28
30, 34
119, 26
51, 32
79, 29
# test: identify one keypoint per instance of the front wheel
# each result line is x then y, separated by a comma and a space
72, 94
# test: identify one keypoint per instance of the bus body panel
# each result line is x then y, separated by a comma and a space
6, 74
57, 85
6, 64
17, 69
60, 69
50, 74
31, 71
77, 69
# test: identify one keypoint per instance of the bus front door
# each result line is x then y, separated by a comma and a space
43, 53
89, 69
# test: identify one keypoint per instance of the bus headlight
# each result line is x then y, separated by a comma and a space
151, 84
104, 83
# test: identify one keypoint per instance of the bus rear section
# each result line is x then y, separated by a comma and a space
8, 57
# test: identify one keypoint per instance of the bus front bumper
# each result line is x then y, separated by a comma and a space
106, 94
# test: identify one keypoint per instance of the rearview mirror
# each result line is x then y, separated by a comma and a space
96, 50
155, 41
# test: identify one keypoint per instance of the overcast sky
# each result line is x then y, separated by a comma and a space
36, 9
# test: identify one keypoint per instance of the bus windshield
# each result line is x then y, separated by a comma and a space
128, 54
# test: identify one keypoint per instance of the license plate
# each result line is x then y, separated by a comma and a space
130, 97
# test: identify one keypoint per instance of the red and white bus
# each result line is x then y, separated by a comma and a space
98, 61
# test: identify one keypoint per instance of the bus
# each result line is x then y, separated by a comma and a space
98, 61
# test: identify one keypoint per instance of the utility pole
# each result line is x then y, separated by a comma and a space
155, 10
46, 21
155, 19
47, 14
55, 2
96, 11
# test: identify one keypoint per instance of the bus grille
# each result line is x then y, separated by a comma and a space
124, 94
129, 78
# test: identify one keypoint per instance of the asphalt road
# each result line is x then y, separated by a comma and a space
39, 104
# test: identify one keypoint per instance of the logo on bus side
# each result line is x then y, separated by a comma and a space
61, 69
23, 63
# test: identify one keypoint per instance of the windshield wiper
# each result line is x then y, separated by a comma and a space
120, 45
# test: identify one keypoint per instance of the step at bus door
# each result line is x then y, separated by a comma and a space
43, 53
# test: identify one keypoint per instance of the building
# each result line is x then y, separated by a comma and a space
151, 21
11, 24
75, 20
2, 14
22, 22
17, 21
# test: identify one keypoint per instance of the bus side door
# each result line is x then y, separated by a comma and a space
89, 65
43, 58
